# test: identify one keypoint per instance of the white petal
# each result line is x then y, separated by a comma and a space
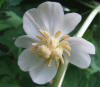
80, 50
27, 60
43, 74
82, 45
29, 24
25, 41
51, 14
69, 22
45, 17
80, 59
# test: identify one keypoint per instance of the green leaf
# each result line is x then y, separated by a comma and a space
8, 85
96, 40
4, 25
94, 80
14, 2
75, 77
13, 19
4, 69
8, 82
1, 3
8, 39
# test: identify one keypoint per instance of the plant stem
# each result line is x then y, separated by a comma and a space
88, 21
60, 74
63, 67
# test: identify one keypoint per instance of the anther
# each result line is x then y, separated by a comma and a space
44, 33
67, 52
48, 62
47, 35
32, 50
62, 60
64, 37
35, 44
41, 38
57, 34
65, 45
57, 64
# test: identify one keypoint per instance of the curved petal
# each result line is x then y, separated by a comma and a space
45, 17
25, 41
69, 22
43, 74
27, 60
52, 13
29, 24
80, 59
81, 44
80, 50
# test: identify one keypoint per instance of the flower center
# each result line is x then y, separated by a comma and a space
51, 48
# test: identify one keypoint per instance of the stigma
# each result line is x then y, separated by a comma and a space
51, 48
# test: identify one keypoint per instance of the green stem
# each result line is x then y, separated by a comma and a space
88, 21
60, 74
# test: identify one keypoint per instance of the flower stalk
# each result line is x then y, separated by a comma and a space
88, 21
60, 74
63, 67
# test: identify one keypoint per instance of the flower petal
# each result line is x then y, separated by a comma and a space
51, 13
45, 17
69, 22
25, 41
80, 50
81, 44
81, 60
43, 74
29, 24
27, 60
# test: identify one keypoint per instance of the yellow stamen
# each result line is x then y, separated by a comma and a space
67, 52
51, 48
47, 35
62, 60
64, 37
44, 33
57, 64
65, 45
41, 38
48, 62
35, 44
57, 34
32, 50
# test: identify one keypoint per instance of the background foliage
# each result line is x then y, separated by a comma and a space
11, 13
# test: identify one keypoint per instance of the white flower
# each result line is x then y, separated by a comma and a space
46, 42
